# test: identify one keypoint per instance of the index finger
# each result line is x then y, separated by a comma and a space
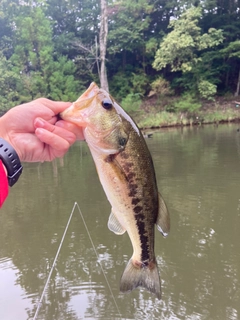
55, 106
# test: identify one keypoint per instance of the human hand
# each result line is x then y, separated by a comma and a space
35, 133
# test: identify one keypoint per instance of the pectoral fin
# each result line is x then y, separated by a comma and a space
114, 225
163, 220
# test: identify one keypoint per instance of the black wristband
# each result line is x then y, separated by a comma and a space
11, 162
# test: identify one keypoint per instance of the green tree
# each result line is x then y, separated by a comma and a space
183, 47
128, 47
75, 26
42, 71
8, 84
62, 83
33, 51
225, 15
37, 36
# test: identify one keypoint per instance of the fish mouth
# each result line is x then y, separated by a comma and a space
92, 90
68, 114
75, 112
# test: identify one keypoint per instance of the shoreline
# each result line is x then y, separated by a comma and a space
194, 124
210, 113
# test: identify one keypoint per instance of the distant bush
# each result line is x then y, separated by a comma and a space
139, 82
131, 103
160, 86
187, 103
160, 119
207, 89
127, 82
120, 85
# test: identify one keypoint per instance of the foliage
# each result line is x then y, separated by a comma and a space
131, 103
128, 82
41, 72
187, 103
120, 85
128, 30
183, 49
216, 116
232, 50
139, 82
207, 90
50, 48
62, 85
175, 119
161, 86
160, 120
8, 84
180, 47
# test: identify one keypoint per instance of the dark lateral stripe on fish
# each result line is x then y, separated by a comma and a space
137, 209
130, 176
144, 241
133, 190
135, 201
139, 217
127, 166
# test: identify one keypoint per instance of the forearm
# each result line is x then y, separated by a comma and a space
3, 184
3, 170
3, 131
10, 166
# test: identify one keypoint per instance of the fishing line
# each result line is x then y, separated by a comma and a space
54, 262
58, 251
94, 248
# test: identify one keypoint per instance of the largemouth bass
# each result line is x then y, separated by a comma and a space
126, 172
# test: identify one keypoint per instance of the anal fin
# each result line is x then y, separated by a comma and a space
163, 220
114, 225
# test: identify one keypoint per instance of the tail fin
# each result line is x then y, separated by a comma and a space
146, 277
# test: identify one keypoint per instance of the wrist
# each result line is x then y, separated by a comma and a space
7, 133
11, 162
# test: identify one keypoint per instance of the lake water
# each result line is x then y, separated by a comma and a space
198, 174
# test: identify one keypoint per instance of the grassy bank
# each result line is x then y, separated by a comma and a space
166, 119
217, 112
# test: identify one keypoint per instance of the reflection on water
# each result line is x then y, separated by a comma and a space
198, 174
13, 299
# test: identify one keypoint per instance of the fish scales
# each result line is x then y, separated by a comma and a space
126, 172
138, 169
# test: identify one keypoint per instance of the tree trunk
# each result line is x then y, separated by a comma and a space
103, 44
238, 85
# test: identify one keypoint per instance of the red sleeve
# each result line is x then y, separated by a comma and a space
3, 184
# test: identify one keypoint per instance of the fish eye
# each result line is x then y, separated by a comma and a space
107, 104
